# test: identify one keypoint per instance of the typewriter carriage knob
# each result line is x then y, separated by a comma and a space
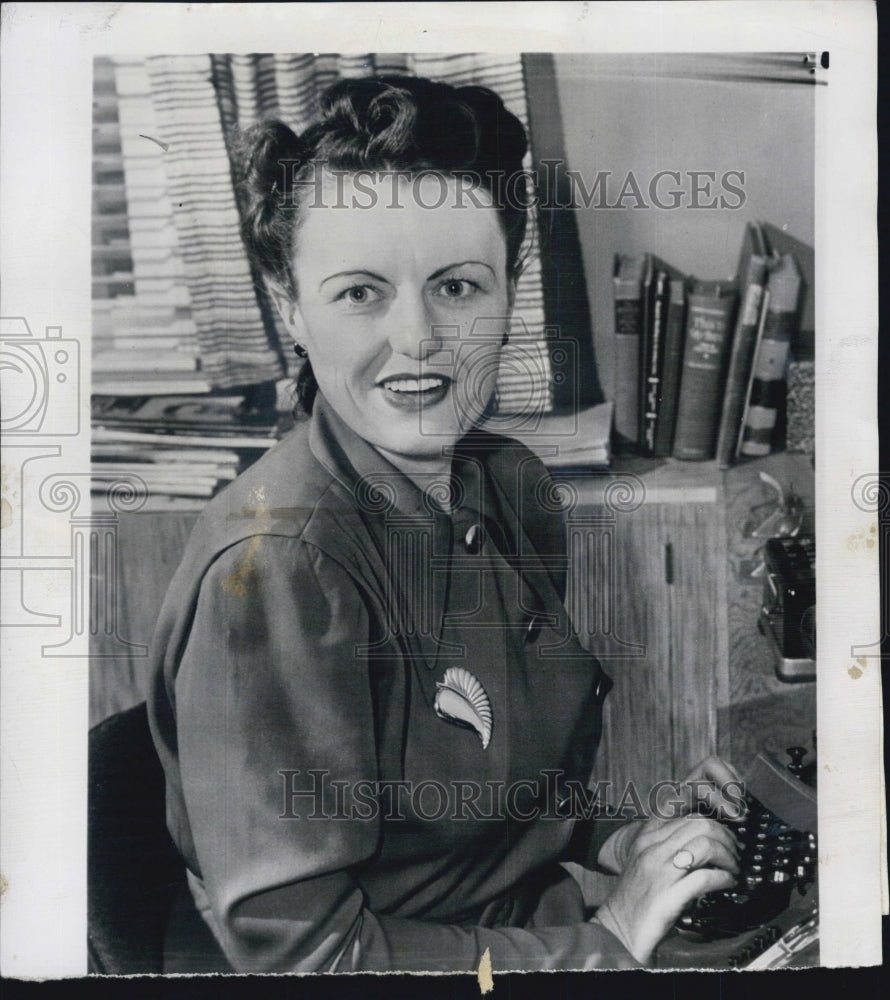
797, 755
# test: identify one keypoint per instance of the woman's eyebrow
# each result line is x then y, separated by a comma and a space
462, 263
351, 274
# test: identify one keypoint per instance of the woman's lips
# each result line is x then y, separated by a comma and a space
409, 392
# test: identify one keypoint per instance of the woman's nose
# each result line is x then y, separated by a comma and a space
414, 332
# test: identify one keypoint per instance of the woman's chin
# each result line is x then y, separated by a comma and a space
429, 446
432, 450
419, 431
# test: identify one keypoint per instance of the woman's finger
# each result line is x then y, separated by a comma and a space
698, 825
695, 885
713, 787
726, 802
705, 852
673, 835
647, 924
692, 857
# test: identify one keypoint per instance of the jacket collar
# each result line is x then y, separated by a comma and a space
360, 468
393, 510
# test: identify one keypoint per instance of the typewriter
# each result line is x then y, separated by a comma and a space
769, 919
788, 614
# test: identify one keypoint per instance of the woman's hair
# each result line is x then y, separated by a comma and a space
388, 123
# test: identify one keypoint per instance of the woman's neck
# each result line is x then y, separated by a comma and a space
421, 471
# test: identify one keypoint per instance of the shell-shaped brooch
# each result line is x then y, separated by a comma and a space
462, 699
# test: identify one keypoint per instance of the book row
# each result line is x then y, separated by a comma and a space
701, 366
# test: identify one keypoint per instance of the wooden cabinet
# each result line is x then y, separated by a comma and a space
664, 653
146, 550
671, 608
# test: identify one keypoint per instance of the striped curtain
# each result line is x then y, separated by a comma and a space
200, 100
143, 328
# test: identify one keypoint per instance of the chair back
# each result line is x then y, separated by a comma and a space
134, 871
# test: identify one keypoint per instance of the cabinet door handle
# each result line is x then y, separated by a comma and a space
668, 563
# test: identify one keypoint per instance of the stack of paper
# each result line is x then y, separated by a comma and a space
576, 440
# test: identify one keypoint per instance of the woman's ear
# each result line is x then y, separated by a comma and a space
287, 308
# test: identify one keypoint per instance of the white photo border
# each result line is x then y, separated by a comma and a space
46, 86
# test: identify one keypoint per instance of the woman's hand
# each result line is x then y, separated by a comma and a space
658, 881
676, 863
712, 788
715, 789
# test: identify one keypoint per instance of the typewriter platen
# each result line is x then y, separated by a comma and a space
769, 919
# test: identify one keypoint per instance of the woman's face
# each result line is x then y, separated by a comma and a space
401, 308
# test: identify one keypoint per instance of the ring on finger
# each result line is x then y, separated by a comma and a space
684, 860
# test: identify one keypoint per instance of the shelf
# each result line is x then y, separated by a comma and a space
662, 480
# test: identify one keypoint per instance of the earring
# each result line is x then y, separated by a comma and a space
505, 339
300, 351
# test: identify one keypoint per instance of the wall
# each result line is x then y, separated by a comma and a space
619, 116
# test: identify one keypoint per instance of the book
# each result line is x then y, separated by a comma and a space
764, 309
752, 274
145, 360
143, 386
674, 338
192, 487
780, 242
768, 385
161, 452
647, 284
257, 443
652, 358
708, 332
627, 277
156, 503
182, 414
165, 471
576, 440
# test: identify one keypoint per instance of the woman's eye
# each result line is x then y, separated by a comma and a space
359, 295
457, 288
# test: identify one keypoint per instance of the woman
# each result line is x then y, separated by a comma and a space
367, 736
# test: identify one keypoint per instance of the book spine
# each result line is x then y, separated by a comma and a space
628, 324
764, 309
707, 340
100, 434
740, 360
768, 381
647, 289
670, 373
651, 402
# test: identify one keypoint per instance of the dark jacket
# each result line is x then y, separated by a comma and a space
330, 818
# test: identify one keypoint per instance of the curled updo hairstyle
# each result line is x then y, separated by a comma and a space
388, 123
